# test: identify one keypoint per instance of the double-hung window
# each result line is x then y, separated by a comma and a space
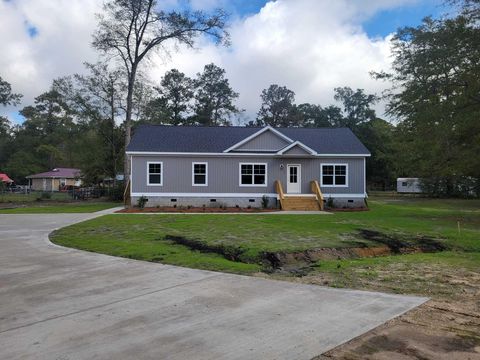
199, 174
334, 175
253, 174
155, 173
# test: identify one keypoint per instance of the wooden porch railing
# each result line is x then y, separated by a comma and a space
318, 193
126, 195
281, 194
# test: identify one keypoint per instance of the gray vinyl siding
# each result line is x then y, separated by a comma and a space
264, 141
223, 174
296, 150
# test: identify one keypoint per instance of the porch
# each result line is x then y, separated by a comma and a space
301, 202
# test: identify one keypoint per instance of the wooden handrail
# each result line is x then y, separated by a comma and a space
279, 190
318, 193
126, 194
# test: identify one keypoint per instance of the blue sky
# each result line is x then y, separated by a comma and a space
388, 21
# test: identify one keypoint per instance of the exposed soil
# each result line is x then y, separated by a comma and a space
445, 328
401, 246
232, 253
179, 209
298, 263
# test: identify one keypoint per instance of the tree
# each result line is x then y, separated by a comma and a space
435, 96
356, 106
6, 95
176, 94
6, 98
45, 139
383, 167
132, 30
213, 97
97, 100
277, 106
314, 115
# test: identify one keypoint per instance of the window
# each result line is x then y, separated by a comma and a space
155, 173
199, 174
253, 174
334, 175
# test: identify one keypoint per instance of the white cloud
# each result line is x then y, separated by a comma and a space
310, 46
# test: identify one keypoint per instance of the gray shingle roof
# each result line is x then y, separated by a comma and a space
161, 138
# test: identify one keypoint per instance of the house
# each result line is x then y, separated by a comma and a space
55, 180
238, 166
5, 179
409, 185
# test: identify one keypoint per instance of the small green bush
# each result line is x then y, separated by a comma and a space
142, 200
330, 203
45, 195
264, 201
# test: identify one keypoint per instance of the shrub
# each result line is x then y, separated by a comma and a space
142, 200
330, 203
45, 195
264, 201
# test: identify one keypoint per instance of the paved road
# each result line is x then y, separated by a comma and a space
58, 303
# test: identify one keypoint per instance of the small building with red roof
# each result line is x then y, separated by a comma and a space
55, 180
5, 179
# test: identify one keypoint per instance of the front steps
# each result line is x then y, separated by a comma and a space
300, 203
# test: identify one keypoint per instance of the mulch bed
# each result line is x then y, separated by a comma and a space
347, 209
194, 210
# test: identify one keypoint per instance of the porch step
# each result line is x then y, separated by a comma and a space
302, 203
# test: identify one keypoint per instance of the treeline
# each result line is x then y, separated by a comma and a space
78, 121
85, 120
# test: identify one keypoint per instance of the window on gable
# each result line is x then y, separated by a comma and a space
155, 173
334, 175
199, 174
253, 174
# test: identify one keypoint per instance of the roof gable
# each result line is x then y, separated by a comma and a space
266, 139
297, 148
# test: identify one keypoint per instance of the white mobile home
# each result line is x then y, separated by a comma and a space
409, 185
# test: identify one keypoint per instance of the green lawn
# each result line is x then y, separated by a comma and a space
46, 207
16, 198
148, 237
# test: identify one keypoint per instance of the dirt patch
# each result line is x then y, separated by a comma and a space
445, 328
171, 209
232, 253
402, 246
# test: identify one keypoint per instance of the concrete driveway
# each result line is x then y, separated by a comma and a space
58, 303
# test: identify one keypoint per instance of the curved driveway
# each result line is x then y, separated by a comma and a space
58, 303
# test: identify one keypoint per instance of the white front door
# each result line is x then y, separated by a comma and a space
294, 179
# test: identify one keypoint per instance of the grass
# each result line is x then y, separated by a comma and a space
146, 237
44, 207
32, 197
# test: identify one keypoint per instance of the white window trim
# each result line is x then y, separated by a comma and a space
330, 164
161, 173
193, 173
252, 185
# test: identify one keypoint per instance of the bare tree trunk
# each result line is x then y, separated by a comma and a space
128, 119
112, 141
